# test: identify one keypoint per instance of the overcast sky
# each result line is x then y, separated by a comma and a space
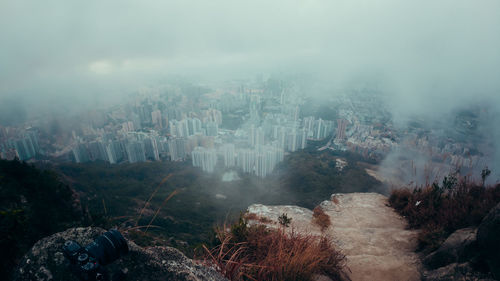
445, 50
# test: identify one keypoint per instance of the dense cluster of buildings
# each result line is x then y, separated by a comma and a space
159, 126
20, 143
164, 128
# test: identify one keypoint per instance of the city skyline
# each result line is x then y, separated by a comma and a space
160, 125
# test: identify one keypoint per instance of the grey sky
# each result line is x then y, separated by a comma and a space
446, 50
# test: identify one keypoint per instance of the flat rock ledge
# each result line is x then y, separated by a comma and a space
372, 236
45, 261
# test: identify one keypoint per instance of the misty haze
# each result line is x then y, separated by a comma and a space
250, 140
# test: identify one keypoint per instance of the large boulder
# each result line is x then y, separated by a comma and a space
488, 239
45, 261
460, 246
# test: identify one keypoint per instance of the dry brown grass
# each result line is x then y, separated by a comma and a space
251, 216
255, 217
440, 210
256, 253
335, 200
265, 220
321, 218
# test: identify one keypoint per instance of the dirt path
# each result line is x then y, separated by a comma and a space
372, 236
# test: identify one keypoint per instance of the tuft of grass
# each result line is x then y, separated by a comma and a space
321, 218
439, 210
258, 253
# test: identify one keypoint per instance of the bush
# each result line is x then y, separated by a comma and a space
440, 210
321, 218
257, 253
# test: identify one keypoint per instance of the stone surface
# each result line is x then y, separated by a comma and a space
455, 272
488, 239
460, 246
45, 261
372, 235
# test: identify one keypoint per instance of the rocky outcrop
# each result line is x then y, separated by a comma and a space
374, 238
45, 261
488, 239
455, 272
458, 258
466, 255
459, 247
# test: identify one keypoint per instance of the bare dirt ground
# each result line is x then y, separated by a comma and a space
373, 237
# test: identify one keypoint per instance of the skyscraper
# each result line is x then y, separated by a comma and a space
111, 154
177, 149
151, 149
136, 121
212, 129
341, 125
24, 149
228, 154
204, 158
266, 159
33, 136
296, 139
309, 126
256, 136
128, 126
135, 152
97, 151
81, 153
157, 119
246, 160
144, 112
196, 123
212, 115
